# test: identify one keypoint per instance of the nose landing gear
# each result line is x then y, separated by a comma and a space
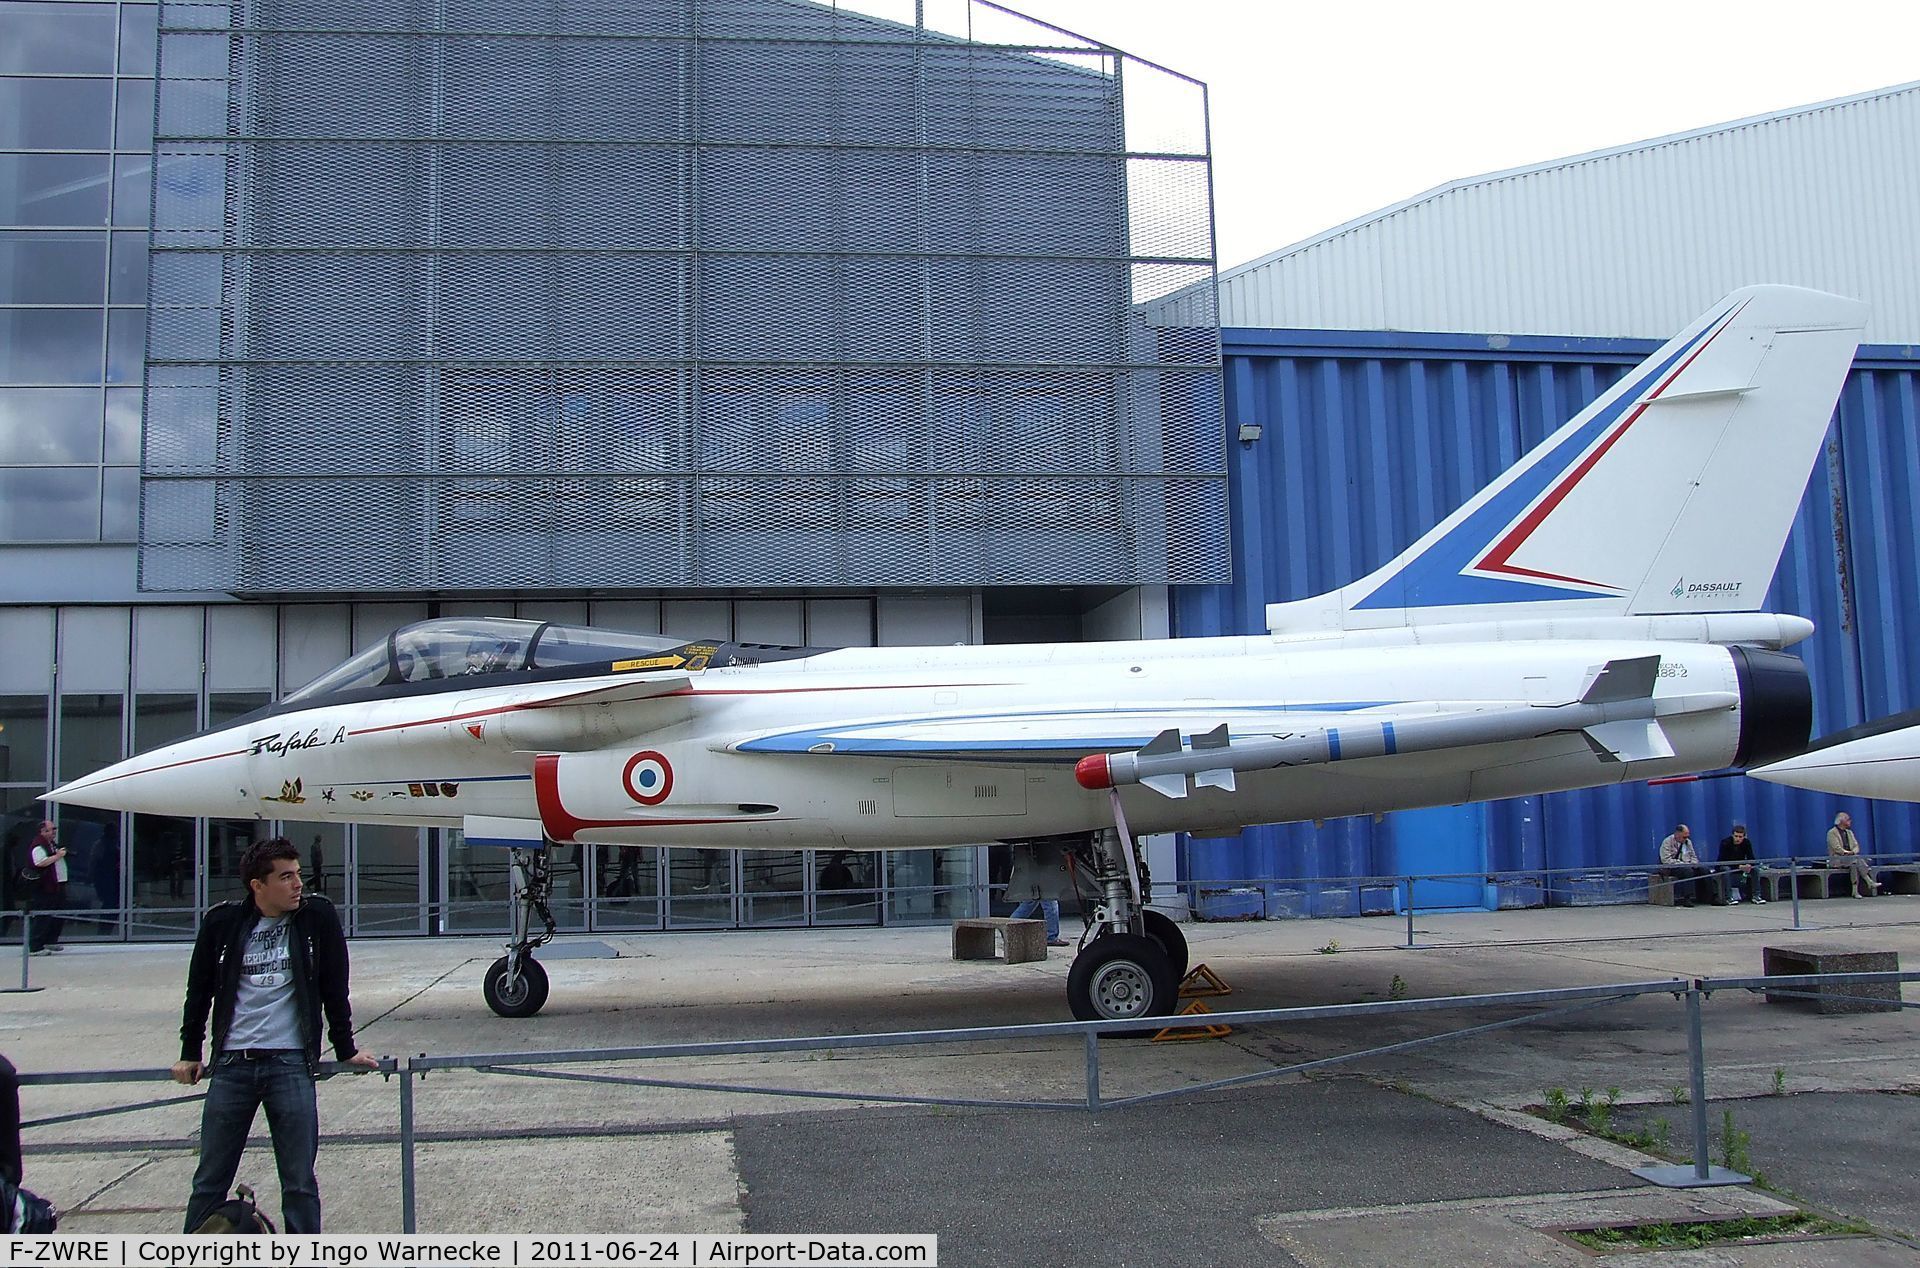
516, 983
1132, 966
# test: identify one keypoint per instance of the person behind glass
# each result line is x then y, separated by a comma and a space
1843, 851
1039, 874
49, 858
265, 967
1680, 863
1736, 863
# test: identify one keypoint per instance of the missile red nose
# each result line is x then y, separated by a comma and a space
1092, 772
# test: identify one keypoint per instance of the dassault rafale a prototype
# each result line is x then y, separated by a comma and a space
1589, 618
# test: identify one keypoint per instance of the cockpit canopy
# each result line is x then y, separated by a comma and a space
455, 647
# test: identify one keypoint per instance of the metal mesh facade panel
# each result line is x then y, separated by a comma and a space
482, 295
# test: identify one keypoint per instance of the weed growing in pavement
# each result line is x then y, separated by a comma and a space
1698, 1233
1557, 1105
1397, 989
1779, 1081
1679, 1095
1598, 1110
1736, 1146
1332, 948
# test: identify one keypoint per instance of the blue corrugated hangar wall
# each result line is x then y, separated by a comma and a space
1369, 439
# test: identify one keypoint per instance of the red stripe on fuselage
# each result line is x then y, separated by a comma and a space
189, 761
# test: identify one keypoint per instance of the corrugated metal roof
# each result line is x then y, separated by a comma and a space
1629, 242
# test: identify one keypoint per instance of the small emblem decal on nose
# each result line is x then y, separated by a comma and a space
290, 792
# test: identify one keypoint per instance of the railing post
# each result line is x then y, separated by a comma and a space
1093, 1070
1409, 883
26, 944
408, 1224
1793, 879
1702, 1173
1697, 1084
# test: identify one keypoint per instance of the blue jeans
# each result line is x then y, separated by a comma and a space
1048, 907
281, 1082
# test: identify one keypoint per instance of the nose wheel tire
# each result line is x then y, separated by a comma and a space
1122, 977
1166, 931
524, 996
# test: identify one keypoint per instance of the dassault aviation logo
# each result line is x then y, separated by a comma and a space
1706, 589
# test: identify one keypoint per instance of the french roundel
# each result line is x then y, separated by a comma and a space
648, 778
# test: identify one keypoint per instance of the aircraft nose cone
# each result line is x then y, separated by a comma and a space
181, 779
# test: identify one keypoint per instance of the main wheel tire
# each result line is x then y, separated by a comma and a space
1166, 931
527, 994
1122, 977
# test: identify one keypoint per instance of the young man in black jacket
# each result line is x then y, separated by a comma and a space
266, 967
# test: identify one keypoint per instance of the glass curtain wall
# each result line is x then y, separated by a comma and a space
160, 879
133, 679
76, 135
90, 735
388, 876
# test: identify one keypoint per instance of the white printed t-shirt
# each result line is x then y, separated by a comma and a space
263, 1008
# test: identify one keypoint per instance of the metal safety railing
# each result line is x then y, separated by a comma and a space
1400, 893
1365, 895
1556, 1004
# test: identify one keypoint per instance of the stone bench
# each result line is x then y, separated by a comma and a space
1024, 940
1840, 997
1901, 878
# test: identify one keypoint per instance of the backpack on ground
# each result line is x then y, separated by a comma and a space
24, 1211
238, 1214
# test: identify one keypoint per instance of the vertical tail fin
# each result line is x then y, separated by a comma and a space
1671, 493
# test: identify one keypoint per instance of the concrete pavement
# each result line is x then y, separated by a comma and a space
1389, 1158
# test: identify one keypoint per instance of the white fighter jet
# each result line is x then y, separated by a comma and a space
1589, 618
1879, 759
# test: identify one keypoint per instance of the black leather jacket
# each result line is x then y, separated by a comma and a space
318, 949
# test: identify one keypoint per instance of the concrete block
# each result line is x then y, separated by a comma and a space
1334, 901
1288, 904
1243, 902
1851, 997
1379, 900
975, 938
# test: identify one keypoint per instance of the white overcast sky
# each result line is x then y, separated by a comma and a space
1325, 111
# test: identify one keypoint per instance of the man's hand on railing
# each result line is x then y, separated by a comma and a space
363, 1060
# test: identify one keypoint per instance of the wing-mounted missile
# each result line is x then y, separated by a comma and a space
1617, 714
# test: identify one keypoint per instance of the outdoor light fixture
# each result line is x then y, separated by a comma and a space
1249, 431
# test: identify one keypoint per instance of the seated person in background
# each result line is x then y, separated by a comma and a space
1736, 865
1843, 851
1680, 863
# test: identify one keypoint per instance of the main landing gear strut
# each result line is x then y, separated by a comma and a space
516, 984
1132, 966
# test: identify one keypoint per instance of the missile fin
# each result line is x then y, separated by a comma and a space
1630, 678
1629, 740
1174, 786
1221, 778
1168, 741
